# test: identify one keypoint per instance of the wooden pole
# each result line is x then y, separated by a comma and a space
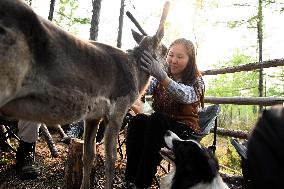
74, 165
265, 101
231, 133
246, 67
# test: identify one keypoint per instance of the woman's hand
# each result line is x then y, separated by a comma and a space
137, 107
152, 66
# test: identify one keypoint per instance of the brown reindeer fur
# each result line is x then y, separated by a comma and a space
48, 75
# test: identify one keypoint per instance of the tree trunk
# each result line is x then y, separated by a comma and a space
260, 41
121, 15
51, 9
95, 19
74, 165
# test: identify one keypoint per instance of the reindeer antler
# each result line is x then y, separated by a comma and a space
131, 17
164, 14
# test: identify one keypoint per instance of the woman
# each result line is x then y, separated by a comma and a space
177, 95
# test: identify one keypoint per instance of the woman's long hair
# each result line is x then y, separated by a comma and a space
191, 72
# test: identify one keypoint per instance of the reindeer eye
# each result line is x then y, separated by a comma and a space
2, 31
154, 56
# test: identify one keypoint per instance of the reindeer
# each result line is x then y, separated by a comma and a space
48, 75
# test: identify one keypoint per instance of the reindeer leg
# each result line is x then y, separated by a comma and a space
91, 127
111, 134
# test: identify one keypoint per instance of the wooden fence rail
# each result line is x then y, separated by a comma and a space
231, 133
246, 67
264, 101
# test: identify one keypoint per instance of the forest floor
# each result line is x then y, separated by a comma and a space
52, 170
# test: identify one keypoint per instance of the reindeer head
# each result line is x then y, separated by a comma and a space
22, 42
152, 43
14, 50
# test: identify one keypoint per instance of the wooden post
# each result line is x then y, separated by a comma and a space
74, 165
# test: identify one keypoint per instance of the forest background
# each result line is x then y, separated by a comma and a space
225, 33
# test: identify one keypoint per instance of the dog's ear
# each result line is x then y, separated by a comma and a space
137, 37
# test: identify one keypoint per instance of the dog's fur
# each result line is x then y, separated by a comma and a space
48, 75
195, 167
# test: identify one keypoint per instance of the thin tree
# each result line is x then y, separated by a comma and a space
121, 15
260, 42
51, 10
255, 22
95, 19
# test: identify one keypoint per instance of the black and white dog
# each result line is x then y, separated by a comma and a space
195, 167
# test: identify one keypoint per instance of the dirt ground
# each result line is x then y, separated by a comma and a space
52, 170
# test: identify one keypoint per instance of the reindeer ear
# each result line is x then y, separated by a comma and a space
137, 37
159, 35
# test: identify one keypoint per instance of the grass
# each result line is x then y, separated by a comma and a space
226, 154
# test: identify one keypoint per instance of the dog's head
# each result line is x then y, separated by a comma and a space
190, 158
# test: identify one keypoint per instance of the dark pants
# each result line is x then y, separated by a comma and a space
145, 137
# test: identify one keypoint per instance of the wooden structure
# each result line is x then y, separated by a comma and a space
73, 168
264, 101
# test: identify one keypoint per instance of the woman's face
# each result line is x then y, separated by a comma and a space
177, 59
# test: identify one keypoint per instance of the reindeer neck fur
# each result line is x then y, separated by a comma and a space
143, 78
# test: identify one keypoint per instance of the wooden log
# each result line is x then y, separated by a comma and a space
265, 101
246, 67
74, 166
231, 133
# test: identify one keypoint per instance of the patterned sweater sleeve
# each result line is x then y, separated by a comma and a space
152, 86
185, 93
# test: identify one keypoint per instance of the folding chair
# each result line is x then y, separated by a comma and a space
208, 120
9, 129
241, 149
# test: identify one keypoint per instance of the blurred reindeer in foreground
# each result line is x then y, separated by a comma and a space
49, 76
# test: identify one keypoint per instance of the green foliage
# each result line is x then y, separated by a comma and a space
229, 159
234, 24
237, 84
274, 82
68, 16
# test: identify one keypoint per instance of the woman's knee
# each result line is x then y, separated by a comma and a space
138, 122
160, 121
